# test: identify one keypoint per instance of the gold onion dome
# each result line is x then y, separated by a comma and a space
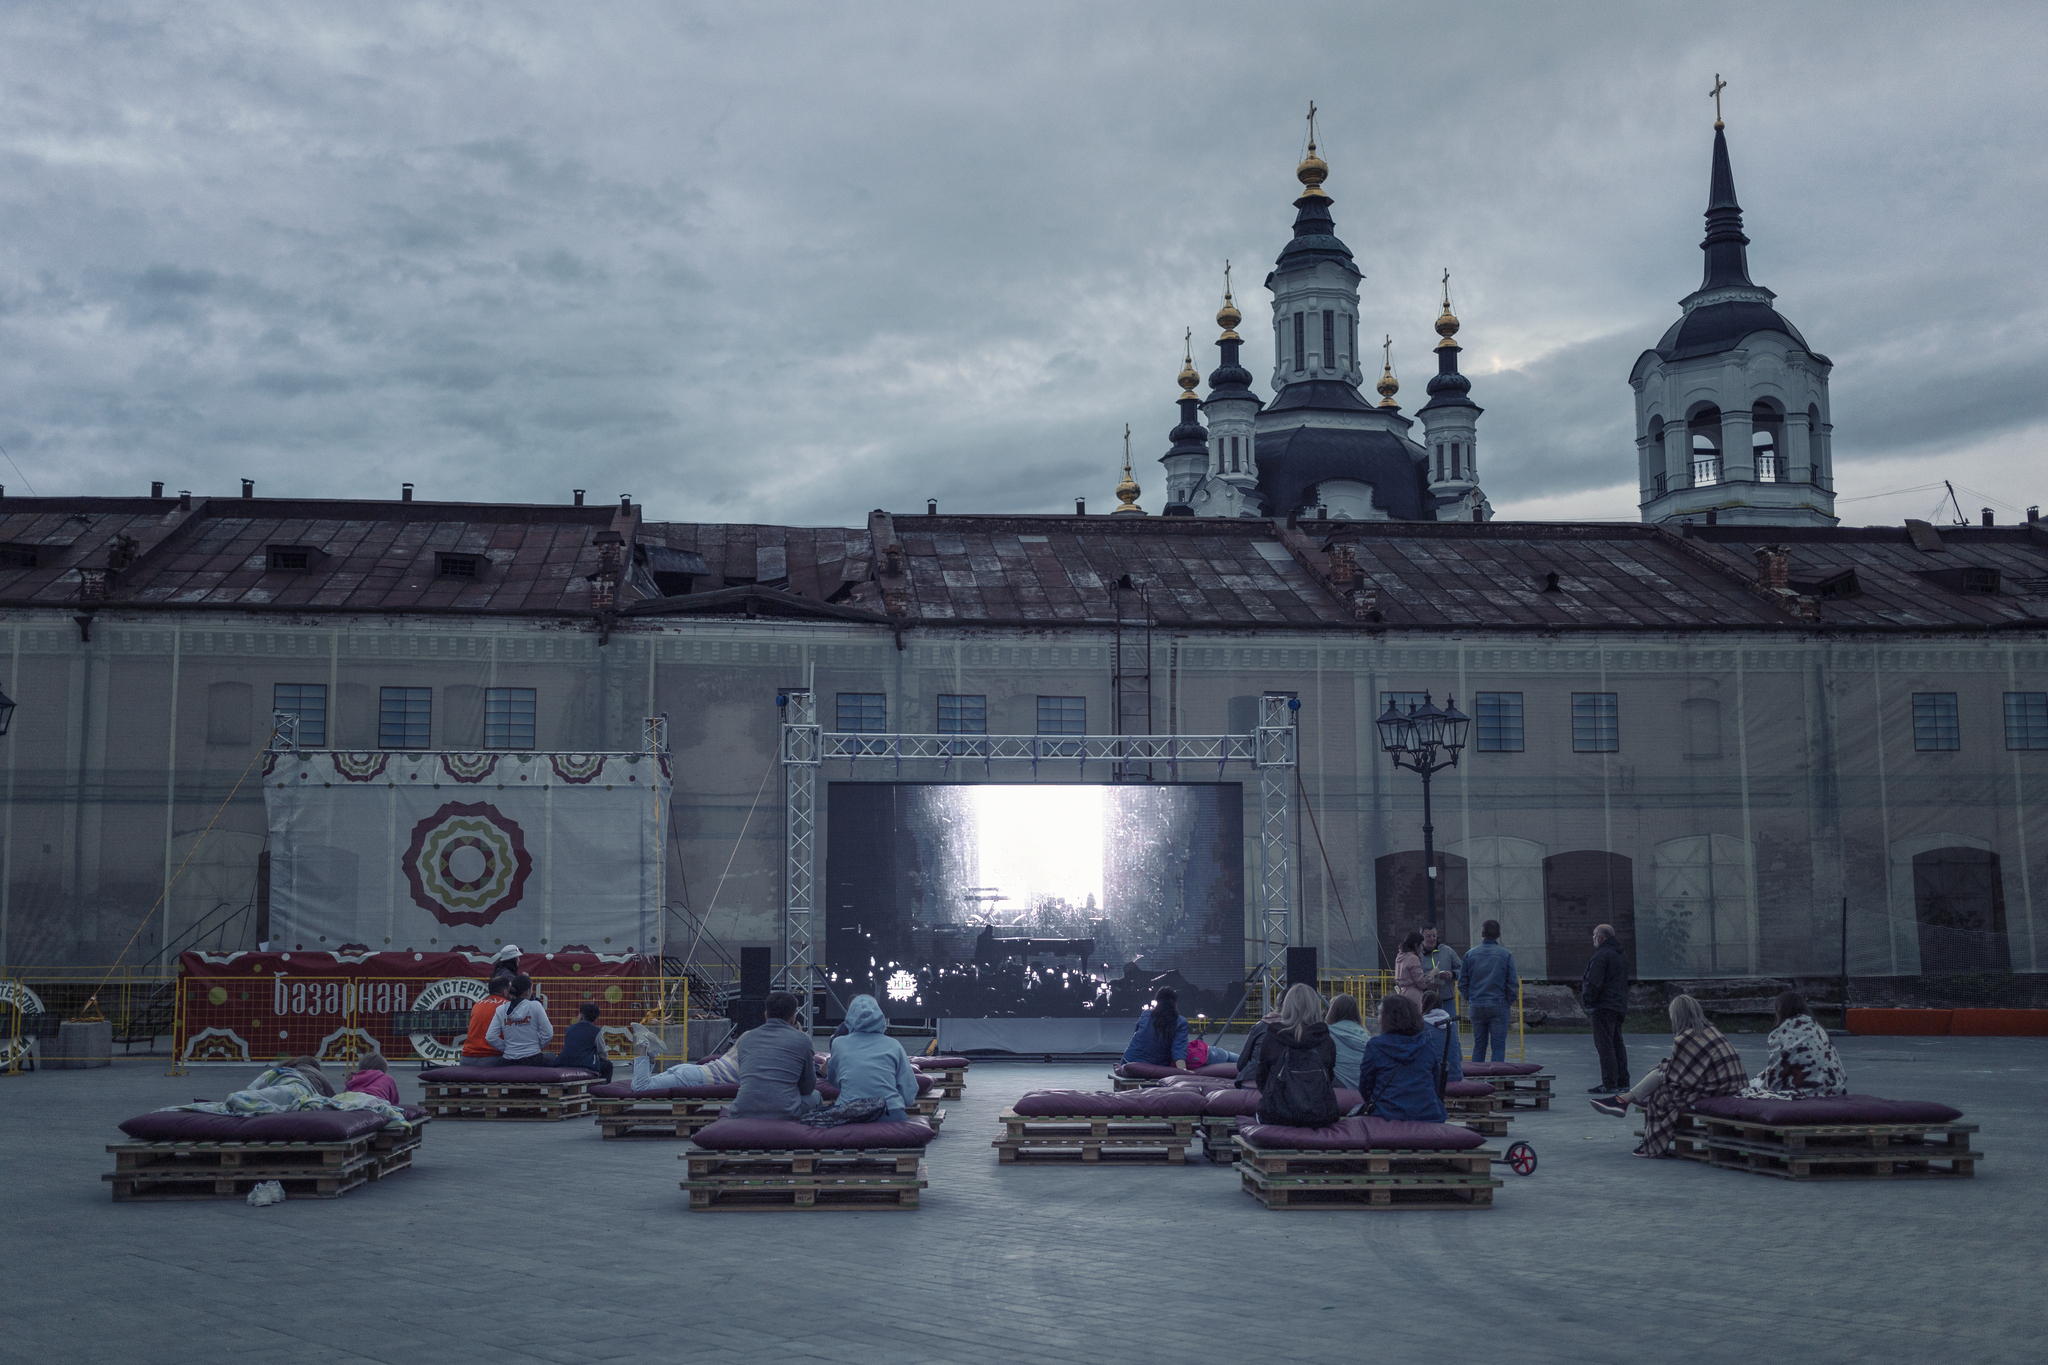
1227, 317
1312, 172
1188, 380
1388, 387
1127, 492
1447, 327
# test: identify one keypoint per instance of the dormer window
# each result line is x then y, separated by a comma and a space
460, 566
17, 556
291, 558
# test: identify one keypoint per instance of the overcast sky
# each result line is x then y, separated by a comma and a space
790, 263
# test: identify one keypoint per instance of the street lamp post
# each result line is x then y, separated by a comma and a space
1425, 740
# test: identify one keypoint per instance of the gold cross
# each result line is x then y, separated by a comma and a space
1188, 343
1389, 348
1719, 86
1226, 281
1127, 447
1447, 289
1311, 127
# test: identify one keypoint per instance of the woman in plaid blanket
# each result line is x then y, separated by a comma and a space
1702, 1064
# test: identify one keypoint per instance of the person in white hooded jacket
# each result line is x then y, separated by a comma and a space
520, 1030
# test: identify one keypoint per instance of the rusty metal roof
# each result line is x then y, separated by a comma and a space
1012, 571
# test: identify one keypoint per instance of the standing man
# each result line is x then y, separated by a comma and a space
1440, 963
1491, 986
1604, 993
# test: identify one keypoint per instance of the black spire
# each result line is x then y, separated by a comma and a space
1727, 262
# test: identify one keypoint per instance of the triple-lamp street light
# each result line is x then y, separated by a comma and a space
1425, 740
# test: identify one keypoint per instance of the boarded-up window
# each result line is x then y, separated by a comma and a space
1402, 894
1959, 901
1582, 889
228, 712
1706, 907
1504, 881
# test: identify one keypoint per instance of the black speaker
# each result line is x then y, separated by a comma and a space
746, 1014
754, 975
1301, 967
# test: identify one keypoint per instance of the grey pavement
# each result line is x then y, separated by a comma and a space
541, 1242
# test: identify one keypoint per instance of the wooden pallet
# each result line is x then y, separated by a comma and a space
1219, 1138
928, 1103
951, 1081
1286, 1178
837, 1162
770, 1193
145, 1171
1519, 1092
1486, 1125
632, 1123
1096, 1139
1122, 1083
517, 1102
150, 1187
1863, 1151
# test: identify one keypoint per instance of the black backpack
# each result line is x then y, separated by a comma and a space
1298, 1091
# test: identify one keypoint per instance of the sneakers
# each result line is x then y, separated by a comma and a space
1617, 1107
646, 1041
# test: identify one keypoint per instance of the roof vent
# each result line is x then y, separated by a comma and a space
931, 507
1989, 520
1550, 582
156, 488
405, 492
460, 566
248, 488
579, 496
626, 503
1080, 507
1972, 579
292, 558
17, 556
184, 499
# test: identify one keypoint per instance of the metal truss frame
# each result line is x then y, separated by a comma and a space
806, 747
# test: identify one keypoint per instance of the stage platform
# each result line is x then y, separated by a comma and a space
1037, 1037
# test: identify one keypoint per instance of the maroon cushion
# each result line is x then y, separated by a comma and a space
1194, 1081
927, 1084
1243, 1103
506, 1075
781, 1135
1839, 1109
1160, 1102
1501, 1068
1470, 1090
413, 1112
619, 1090
305, 1125
938, 1063
1227, 1070
1146, 1071
1363, 1134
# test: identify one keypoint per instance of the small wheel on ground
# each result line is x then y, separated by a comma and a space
1522, 1159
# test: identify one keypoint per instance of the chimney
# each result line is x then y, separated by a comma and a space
2033, 515
1713, 518
1988, 519
1322, 514
405, 492
184, 499
248, 488
1774, 566
626, 503
1080, 507
579, 496
1476, 517
1365, 604
1343, 565
156, 488
931, 507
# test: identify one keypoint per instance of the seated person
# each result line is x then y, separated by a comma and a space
867, 1064
1248, 1058
520, 1029
1398, 1075
778, 1069
1347, 1031
1295, 1070
373, 1077
1439, 1021
1804, 1064
583, 1044
477, 1045
1161, 1037
1702, 1064
723, 1070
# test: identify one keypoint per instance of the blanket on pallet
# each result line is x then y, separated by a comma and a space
1836, 1109
282, 1090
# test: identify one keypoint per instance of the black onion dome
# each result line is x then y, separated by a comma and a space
1315, 235
1190, 437
1230, 379
1447, 388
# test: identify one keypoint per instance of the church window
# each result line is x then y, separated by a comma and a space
1813, 442
1329, 339
1767, 427
1439, 461
1705, 428
1233, 455
1456, 471
1300, 358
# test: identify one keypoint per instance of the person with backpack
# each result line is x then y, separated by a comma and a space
1296, 1066
520, 1029
1399, 1075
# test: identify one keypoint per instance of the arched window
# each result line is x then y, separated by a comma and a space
1300, 345
1705, 426
1439, 461
1813, 446
1767, 442
1457, 467
1233, 455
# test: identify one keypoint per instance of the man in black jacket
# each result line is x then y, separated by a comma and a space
1604, 992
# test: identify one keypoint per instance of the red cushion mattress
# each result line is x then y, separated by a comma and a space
1362, 1134
1227, 1070
506, 1075
306, 1125
1839, 1109
1501, 1068
1161, 1102
781, 1135
1244, 1103
937, 1063
1147, 1071
617, 1090
1466, 1089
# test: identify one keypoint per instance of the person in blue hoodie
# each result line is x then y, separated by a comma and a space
1398, 1075
867, 1064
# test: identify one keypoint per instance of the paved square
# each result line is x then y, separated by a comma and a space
541, 1242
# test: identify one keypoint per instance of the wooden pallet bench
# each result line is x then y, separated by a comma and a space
511, 1102
1292, 1178
1519, 1092
147, 1171
1121, 1083
1096, 1139
1487, 1115
827, 1178
1846, 1151
951, 1080
655, 1116
1219, 1138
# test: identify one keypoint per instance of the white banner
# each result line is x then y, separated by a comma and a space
431, 851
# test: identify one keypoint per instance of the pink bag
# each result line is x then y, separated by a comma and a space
1198, 1053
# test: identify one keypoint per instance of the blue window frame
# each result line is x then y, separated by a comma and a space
1062, 715
863, 713
1497, 721
508, 718
1937, 727
962, 715
1596, 723
308, 702
2026, 720
405, 717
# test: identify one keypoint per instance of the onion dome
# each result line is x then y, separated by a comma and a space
1447, 321
1388, 385
1312, 172
1127, 489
